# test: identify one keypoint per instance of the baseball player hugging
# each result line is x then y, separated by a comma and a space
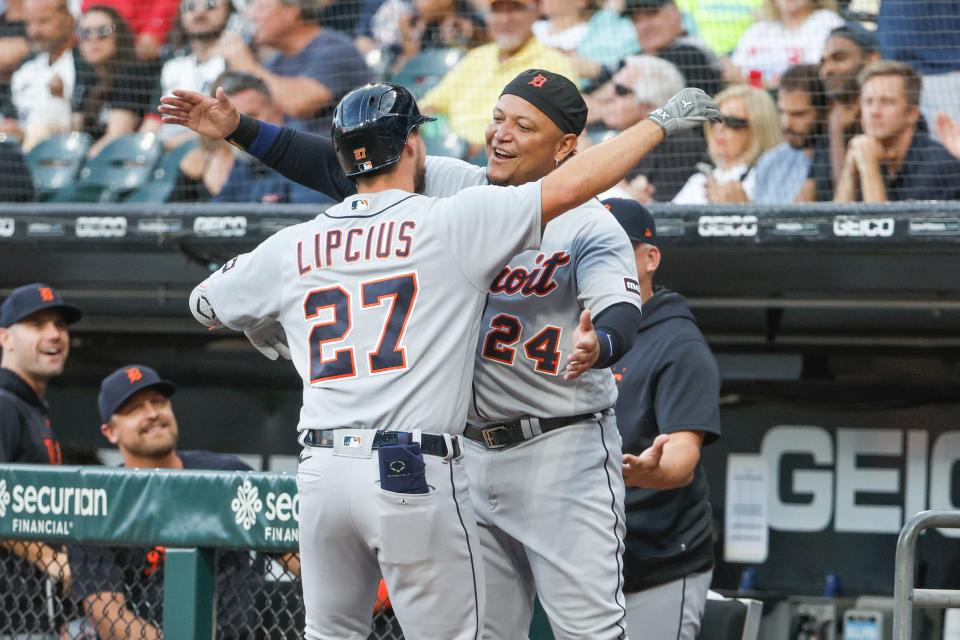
382, 299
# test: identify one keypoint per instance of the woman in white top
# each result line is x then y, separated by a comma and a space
792, 32
750, 127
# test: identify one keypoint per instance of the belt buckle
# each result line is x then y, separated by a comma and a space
488, 437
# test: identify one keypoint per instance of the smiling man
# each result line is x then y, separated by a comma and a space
121, 588
36, 343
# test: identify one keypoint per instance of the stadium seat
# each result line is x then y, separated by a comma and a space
54, 163
122, 166
163, 179
440, 141
423, 71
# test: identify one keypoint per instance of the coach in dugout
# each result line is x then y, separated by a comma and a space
668, 408
35, 342
121, 588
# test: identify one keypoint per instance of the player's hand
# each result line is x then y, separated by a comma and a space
637, 468
208, 116
586, 348
688, 109
269, 339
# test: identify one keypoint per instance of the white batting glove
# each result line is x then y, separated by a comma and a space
686, 110
269, 339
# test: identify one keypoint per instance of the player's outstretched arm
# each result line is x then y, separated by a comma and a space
601, 167
212, 117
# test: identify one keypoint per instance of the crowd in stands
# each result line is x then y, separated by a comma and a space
823, 100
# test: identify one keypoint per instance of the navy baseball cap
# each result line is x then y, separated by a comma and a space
30, 298
117, 387
634, 218
859, 35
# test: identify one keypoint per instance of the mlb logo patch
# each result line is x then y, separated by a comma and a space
365, 166
631, 285
360, 205
352, 441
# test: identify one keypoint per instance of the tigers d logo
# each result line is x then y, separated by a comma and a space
134, 374
360, 154
538, 81
46, 294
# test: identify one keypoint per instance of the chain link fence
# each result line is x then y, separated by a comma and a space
117, 592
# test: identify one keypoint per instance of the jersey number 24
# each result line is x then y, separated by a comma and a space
389, 354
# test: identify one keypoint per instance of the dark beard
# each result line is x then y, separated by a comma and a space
206, 36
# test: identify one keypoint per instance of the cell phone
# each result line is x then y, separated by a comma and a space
705, 169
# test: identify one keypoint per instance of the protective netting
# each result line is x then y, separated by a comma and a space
80, 81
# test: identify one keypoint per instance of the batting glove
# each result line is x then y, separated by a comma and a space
269, 339
686, 110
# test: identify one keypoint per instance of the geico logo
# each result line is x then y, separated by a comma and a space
282, 507
7, 227
818, 478
101, 227
222, 226
727, 226
59, 500
848, 226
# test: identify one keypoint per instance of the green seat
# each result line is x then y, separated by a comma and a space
425, 70
440, 141
55, 162
164, 178
119, 168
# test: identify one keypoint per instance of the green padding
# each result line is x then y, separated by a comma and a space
232, 509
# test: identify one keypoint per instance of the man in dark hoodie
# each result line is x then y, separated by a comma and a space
35, 343
667, 409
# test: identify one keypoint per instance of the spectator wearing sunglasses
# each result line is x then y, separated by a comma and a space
749, 128
644, 83
149, 20
121, 91
202, 22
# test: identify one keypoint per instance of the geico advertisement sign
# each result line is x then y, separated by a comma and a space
856, 227
858, 480
57, 501
101, 227
220, 226
727, 226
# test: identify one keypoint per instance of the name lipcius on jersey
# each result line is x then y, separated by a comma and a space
375, 242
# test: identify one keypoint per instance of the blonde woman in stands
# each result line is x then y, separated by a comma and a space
750, 127
789, 32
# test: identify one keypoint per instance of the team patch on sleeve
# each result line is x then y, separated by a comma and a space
631, 285
230, 264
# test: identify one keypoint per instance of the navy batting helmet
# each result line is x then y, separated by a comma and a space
371, 125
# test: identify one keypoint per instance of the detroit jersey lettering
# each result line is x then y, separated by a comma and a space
585, 261
375, 285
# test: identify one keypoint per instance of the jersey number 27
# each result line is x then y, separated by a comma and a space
389, 354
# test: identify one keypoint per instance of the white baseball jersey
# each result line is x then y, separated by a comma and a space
380, 298
585, 261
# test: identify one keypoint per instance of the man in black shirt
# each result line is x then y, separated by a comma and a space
667, 409
121, 588
660, 31
35, 343
894, 159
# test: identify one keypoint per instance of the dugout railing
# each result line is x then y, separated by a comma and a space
906, 596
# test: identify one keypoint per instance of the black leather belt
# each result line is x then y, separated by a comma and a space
430, 443
499, 436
